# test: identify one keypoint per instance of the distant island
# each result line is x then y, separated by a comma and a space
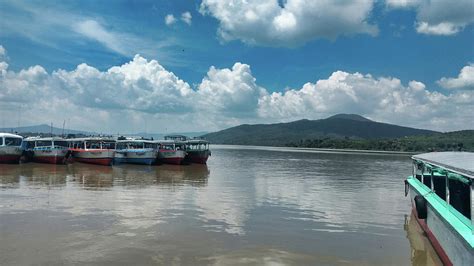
345, 131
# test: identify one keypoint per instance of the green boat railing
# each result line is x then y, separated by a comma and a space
425, 175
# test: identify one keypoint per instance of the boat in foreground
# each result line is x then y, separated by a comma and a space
93, 150
46, 150
441, 193
136, 151
197, 151
10, 148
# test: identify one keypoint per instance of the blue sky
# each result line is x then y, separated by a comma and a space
214, 64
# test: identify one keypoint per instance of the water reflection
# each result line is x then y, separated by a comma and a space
422, 252
93, 177
248, 206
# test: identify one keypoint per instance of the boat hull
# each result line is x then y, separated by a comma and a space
450, 246
98, 156
56, 156
10, 154
171, 156
147, 157
199, 157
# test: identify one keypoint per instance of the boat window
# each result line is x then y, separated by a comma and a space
1, 141
44, 143
12, 141
439, 186
61, 143
108, 145
149, 145
459, 197
121, 145
427, 180
136, 145
167, 147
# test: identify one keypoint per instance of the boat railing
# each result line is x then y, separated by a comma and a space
452, 189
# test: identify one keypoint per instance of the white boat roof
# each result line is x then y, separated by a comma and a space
197, 141
164, 141
9, 135
92, 138
45, 139
458, 162
136, 140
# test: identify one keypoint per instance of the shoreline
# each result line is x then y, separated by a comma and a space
315, 150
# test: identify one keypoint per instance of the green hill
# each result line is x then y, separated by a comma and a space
338, 127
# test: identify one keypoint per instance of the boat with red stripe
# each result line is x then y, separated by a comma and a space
171, 151
93, 150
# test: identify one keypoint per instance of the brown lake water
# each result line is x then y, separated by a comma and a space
248, 206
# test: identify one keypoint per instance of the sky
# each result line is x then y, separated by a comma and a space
181, 66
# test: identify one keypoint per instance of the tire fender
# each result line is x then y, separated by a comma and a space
421, 207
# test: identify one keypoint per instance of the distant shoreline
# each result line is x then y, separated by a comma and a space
300, 149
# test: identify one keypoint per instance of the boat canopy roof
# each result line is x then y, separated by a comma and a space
92, 139
197, 141
457, 162
164, 141
9, 135
135, 141
45, 139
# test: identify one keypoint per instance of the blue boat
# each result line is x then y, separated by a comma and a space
135, 151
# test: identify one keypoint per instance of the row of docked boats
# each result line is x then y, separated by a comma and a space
103, 150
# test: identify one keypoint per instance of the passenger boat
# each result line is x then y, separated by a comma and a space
136, 152
171, 151
93, 150
197, 151
46, 150
441, 193
10, 148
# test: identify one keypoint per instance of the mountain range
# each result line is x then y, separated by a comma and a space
350, 126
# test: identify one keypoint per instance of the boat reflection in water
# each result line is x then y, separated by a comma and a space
89, 176
422, 252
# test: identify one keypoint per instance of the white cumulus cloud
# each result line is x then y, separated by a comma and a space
230, 91
288, 23
186, 17
465, 79
170, 19
383, 99
439, 17
124, 98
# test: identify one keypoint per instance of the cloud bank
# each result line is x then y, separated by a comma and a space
143, 94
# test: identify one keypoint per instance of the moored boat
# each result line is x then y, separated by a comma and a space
441, 193
93, 150
170, 151
136, 151
197, 151
46, 150
10, 148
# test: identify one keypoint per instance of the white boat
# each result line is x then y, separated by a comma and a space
46, 150
94, 150
136, 151
10, 148
441, 192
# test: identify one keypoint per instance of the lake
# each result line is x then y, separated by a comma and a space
247, 206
